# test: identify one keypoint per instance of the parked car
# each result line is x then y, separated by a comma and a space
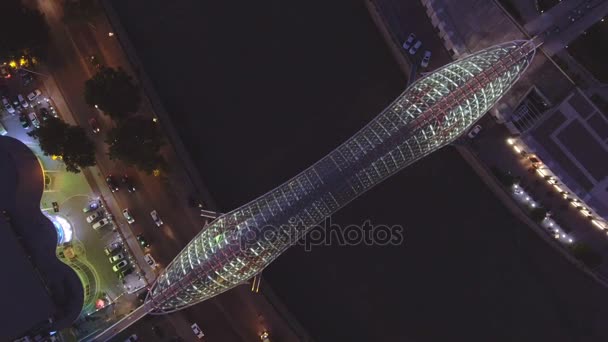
22, 101
112, 183
8, 106
409, 41
122, 264
128, 183
426, 59
156, 218
142, 241
33, 95
127, 215
197, 330
112, 248
415, 48
150, 260
27, 79
5, 71
34, 119
93, 217
125, 272
101, 223
24, 123
3, 130
94, 125
93, 205
116, 258
474, 132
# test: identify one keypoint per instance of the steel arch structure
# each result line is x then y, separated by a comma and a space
428, 115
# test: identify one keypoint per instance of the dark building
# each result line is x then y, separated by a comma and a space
39, 293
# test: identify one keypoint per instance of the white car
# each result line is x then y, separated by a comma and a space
265, 337
197, 331
116, 257
410, 40
22, 101
131, 338
473, 132
150, 260
34, 119
33, 95
8, 106
128, 216
415, 48
122, 264
101, 223
426, 59
93, 217
156, 218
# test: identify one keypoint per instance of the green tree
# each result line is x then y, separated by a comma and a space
538, 214
69, 142
80, 11
113, 92
24, 31
137, 141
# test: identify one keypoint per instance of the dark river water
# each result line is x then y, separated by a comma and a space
258, 90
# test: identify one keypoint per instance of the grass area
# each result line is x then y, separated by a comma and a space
590, 50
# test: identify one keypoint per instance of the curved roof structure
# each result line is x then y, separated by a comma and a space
40, 293
428, 115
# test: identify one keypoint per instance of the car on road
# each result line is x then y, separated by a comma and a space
426, 59
8, 106
265, 336
150, 260
22, 101
156, 218
474, 132
94, 125
116, 258
127, 215
93, 205
122, 264
44, 114
34, 119
112, 248
3, 130
409, 41
415, 48
33, 95
112, 183
101, 223
24, 123
142, 241
131, 338
93, 217
128, 183
197, 330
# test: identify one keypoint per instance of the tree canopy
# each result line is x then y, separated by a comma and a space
80, 11
137, 141
24, 31
113, 92
69, 142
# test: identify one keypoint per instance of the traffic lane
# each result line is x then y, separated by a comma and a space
213, 322
405, 17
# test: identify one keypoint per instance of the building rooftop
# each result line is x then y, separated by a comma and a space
39, 293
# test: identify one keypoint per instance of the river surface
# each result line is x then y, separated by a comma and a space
259, 90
